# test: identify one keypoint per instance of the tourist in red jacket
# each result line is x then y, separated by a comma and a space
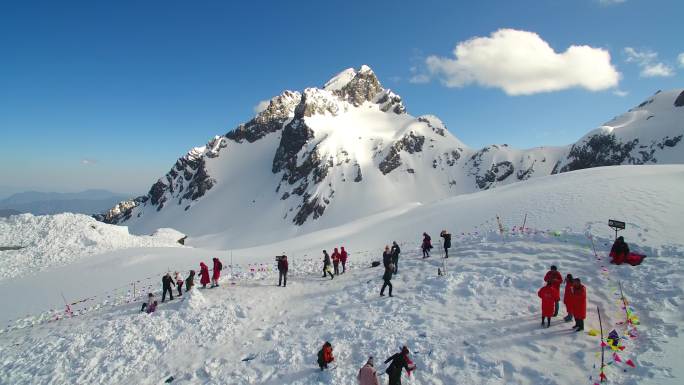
566, 297
578, 300
218, 266
343, 259
204, 274
336, 261
325, 355
549, 297
619, 251
555, 277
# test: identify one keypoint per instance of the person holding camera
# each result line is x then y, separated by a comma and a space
282, 270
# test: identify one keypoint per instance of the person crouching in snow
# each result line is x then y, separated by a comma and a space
167, 285
218, 266
549, 296
204, 275
325, 355
190, 281
578, 299
336, 261
619, 251
282, 270
399, 361
327, 265
179, 283
150, 301
343, 259
555, 277
566, 297
367, 374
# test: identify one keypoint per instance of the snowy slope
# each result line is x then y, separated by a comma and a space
479, 324
322, 157
40, 242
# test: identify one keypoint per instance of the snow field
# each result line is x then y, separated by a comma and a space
479, 324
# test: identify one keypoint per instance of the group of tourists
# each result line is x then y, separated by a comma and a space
426, 245
574, 298
332, 264
368, 374
177, 280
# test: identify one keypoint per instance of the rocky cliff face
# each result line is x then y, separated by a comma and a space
350, 148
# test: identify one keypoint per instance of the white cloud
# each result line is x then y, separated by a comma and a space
261, 106
648, 61
620, 93
419, 79
522, 63
88, 162
611, 2
680, 59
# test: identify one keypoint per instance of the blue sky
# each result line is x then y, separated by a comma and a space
109, 94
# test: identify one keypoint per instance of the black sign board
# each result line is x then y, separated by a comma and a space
616, 224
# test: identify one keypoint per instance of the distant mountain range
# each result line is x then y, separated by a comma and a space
39, 203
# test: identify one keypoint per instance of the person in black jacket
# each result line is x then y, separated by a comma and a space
399, 361
447, 242
395, 256
619, 251
386, 257
282, 270
190, 281
167, 284
327, 269
387, 277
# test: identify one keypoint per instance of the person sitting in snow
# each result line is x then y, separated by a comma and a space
555, 277
204, 275
395, 256
327, 266
190, 281
218, 266
427, 245
367, 374
336, 261
282, 270
578, 301
150, 301
167, 286
343, 259
399, 361
619, 251
179, 283
152, 308
447, 242
566, 297
549, 298
325, 355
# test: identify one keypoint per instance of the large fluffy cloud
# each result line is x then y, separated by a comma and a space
680, 59
522, 63
648, 61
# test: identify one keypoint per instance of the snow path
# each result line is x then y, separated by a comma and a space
479, 324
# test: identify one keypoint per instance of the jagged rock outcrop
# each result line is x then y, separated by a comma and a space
410, 143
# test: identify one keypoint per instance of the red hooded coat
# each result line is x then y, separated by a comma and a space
549, 295
566, 296
204, 274
343, 255
335, 256
217, 269
555, 277
578, 302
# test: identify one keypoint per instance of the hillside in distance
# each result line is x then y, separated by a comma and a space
326, 156
43, 203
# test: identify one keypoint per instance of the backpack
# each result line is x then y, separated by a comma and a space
320, 357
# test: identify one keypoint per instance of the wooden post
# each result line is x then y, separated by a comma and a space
524, 222
602, 347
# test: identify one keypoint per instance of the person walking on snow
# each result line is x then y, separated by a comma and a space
578, 299
282, 270
447, 242
327, 265
555, 277
399, 361
566, 297
204, 275
619, 251
190, 281
395, 256
343, 259
218, 266
387, 277
179, 283
148, 304
167, 285
549, 296
367, 374
325, 356
336, 261
387, 257
427, 245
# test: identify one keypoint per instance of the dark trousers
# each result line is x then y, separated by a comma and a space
282, 276
167, 288
555, 312
180, 288
446, 252
144, 305
344, 266
394, 379
395, 261
426, 253
336, 267
326, 272
579, 323
548, 321
386, 284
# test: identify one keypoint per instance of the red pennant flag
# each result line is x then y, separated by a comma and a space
616, 357
603, 377
630, 363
